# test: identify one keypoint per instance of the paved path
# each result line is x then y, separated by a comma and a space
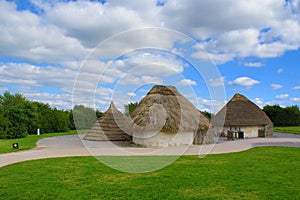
73, 145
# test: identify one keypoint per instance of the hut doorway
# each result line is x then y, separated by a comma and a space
261, 132
241, 135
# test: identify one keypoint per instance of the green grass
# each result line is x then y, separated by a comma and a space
259, 173
288, 129
29, 141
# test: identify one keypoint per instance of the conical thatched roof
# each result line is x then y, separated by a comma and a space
240, 111
164, 109
113, 126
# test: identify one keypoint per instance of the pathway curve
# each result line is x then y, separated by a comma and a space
73, 145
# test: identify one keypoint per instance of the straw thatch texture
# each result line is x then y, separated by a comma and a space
241, 112
113, 126
164, 109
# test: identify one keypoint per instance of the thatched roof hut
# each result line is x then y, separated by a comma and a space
241, 113
113, 126
165, 111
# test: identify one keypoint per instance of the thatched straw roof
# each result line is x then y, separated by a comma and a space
165, 109
113, 126
240, 111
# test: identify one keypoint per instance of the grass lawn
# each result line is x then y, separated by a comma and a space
288, 129
29, 141
259, 173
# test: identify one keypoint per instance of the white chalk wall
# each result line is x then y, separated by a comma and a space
249, 132
162, 139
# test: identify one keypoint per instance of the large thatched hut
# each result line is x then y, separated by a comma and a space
241, 118
165, 118
113, 126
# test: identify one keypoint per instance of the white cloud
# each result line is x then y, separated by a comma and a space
24, 35
186, 82
259, 102
149, 64
296, 87
282, 96
223, 35
81, 20
276, 86
217, 58
217, 82
253, 64
62, 101
295, 99
31, 75
131, 94
69, 29
196, 15
131, 79
280, 70
60, 38
209, 105
244, 81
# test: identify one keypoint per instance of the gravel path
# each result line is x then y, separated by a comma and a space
73, 145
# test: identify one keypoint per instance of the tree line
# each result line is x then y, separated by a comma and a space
20, 116
288, 116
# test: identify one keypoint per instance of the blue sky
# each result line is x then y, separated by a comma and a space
93, 52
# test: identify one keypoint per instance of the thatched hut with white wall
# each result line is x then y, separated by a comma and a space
165, 118
112, 126
242, 118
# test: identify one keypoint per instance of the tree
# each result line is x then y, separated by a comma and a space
289, 116
274, 112
130, 107
207, 114
51, 120
17, 114
19, 117
83, 117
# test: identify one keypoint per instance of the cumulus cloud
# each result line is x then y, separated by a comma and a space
295, 99
296, 87
25, 36
259, 101
140, 80
282, 96
276, 86
151, 64
217, 58
50, 46
221, 34
280, 70
62, 101
209, 105
187, 82
72, 28
244, 81
253, 64
131, 94
31, 75
81, 20
217, 82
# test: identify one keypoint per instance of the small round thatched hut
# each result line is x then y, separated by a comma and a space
244, 118
165, 118
113, 126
